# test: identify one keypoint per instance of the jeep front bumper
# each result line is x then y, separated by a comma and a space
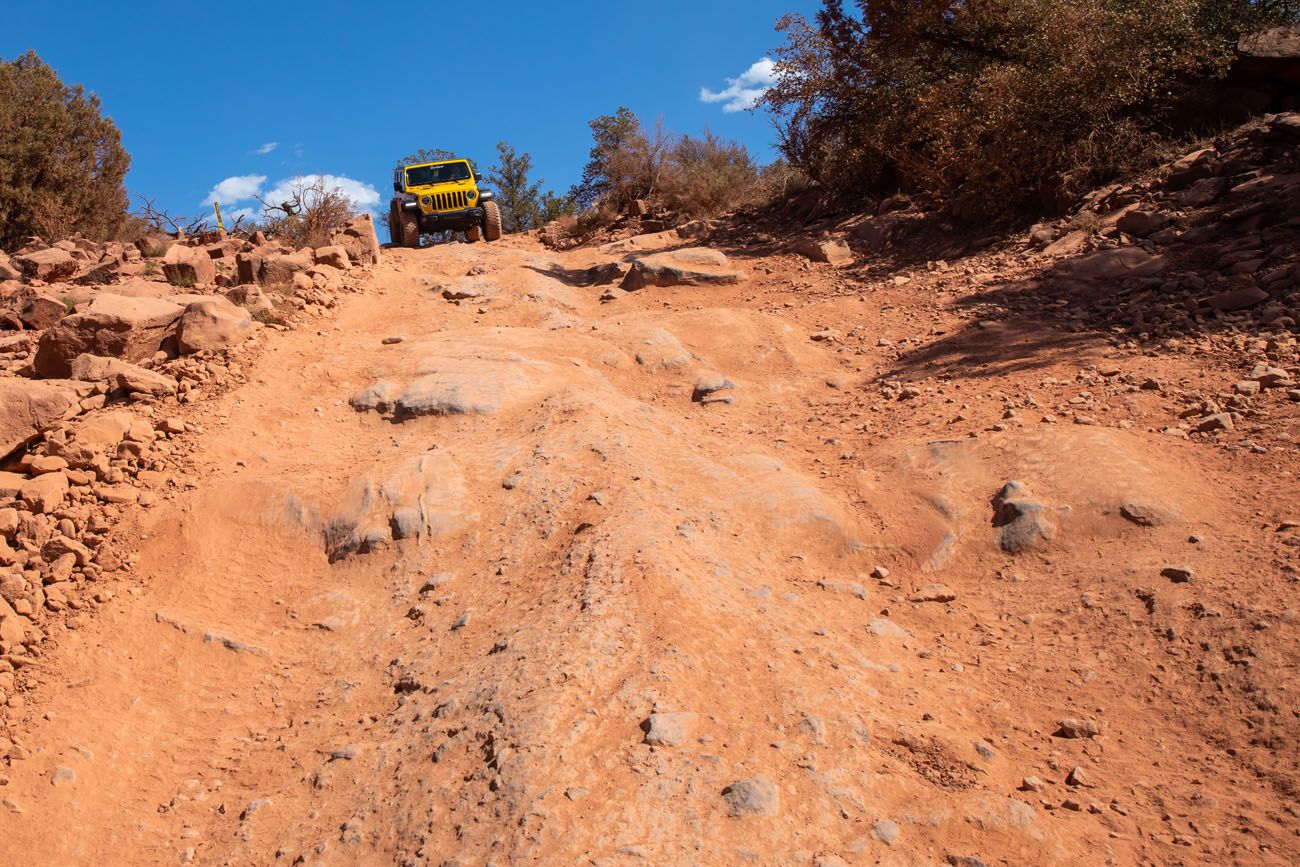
462, 219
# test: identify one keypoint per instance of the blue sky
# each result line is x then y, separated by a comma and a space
207, 92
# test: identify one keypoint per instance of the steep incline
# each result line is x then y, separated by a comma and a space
681, 577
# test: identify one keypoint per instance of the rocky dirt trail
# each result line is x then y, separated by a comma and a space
491, 568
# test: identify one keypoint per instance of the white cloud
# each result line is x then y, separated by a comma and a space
744, 92
235, 189
266, 148
239, 194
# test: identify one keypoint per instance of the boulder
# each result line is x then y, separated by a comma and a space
1143, 222
248, 267
833, 252
1270, 55
189, 266
1022, 523
122, 374
1195, 166
1237, 299
28, 408
8, 270
45, 492
360, 240
334, 257
277, 269
212, 323
1070, 244
114, 326
757, 796
1113, 262
50, 265
40, 310
693, 266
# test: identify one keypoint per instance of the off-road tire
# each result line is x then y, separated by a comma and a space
395, 224
491, 221
410, 229
473, 233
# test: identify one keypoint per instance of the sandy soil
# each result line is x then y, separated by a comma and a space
691, 576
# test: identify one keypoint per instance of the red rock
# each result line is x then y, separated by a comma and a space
211, 324
1237, 299
40, 310
833, 252
28, 408
189, 266
50, 265
360, 240
113, 326
45, 493
8, 270
335, 257
122, 374
694, 266
278, 269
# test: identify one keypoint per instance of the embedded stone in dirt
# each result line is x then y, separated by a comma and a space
450, 392
1022, 523
422, 496
756, 796
832, 252
668, 729
1142, 514
932, 593
1077, 728
693, 266
709, 385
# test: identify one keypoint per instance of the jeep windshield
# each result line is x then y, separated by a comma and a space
422, 176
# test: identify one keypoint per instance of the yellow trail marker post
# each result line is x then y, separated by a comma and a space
216, 206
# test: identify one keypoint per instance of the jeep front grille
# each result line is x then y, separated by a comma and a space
453, 201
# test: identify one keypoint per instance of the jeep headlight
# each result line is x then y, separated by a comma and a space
426, 201
473, 194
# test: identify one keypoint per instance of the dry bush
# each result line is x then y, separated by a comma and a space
995, 107
310, 216
708, 176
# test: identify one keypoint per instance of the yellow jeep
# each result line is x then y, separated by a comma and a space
441, 196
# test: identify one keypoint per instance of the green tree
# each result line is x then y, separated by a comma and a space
612, 136
555, 206
520, 200
61, 161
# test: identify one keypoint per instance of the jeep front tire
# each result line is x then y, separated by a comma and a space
491, 221
473, 233
410, 229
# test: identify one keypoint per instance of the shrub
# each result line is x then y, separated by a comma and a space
310, 216
696, 177
994, 107
707, 176
519, 198
61, 160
